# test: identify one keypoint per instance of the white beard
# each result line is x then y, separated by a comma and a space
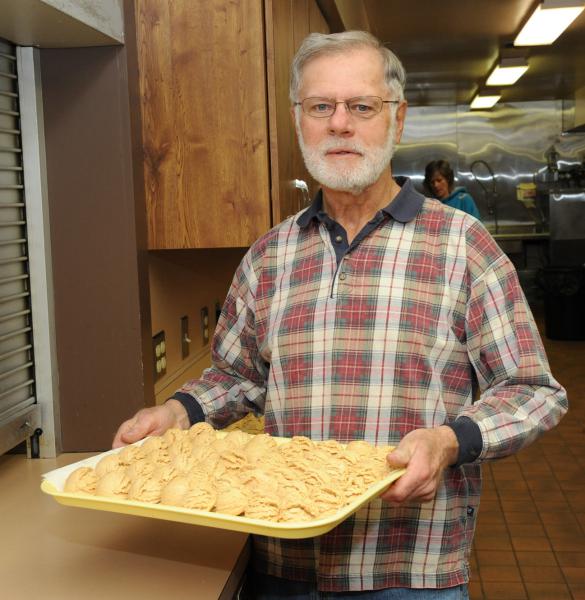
374, 161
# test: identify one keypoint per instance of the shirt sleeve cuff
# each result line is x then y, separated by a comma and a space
470, 441
194, 411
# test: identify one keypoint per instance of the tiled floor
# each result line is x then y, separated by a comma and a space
530, 538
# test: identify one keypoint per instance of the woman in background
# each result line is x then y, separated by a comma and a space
439, 180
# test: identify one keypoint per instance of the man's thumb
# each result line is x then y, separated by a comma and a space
397, 458
135, 432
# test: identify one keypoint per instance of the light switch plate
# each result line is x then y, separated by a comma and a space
205, 325
159, 351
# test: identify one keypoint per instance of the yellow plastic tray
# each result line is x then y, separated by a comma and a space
53, 483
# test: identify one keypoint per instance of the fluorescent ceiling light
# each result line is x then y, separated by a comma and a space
548, 21
484, 101
507, 72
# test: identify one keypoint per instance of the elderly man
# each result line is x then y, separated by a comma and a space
374, 314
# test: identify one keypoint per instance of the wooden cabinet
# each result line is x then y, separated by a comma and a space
218, 141
203, 100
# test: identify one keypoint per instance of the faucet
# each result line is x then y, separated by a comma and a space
490, 195
302, 185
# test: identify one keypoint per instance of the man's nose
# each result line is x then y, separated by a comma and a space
341, 121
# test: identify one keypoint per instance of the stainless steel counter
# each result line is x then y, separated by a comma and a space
55, 552
521, 236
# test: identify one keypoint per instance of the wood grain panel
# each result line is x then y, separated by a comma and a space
287, 23
301, 28
279, 50
300, 21
317, 21
203, 85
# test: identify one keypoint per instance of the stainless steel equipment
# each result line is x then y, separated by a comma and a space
566, 226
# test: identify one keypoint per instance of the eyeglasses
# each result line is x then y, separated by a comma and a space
364, 107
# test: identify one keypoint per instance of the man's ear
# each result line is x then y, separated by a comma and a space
400, 118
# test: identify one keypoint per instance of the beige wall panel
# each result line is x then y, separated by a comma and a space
181, 283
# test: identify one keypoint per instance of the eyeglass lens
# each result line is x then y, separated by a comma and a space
364, 107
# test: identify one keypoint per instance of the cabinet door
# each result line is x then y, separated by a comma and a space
287, 24
202, 77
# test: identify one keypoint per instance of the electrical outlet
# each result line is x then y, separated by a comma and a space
159, 348
185, 339
205, 325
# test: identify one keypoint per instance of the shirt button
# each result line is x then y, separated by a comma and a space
338, 239
342, 276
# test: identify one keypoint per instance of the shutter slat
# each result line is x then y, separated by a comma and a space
13, 279
11, 316
12, 334
10, 261
15, 242
14, 297
16, 388
12, 411
6, 374
15, 351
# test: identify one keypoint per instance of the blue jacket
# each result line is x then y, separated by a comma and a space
460, 198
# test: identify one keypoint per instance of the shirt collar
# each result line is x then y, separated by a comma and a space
403, 208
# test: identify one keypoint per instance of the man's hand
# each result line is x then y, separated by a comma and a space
151, 421
425, 453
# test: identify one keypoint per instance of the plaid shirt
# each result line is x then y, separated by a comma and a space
370, 341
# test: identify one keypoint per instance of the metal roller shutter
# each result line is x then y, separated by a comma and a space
17, 385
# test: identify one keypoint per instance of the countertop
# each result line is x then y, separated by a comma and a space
56, 552
521, 236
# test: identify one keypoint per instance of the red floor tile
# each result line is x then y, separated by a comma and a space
534, 544
500, 573
540, 574
495, 590
571, 559
536, 559
520, 505
496, 557
577, 591
491, 529
493, 543
548, 591
568, 544
574, 574
529, 517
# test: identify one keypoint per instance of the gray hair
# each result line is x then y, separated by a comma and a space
320, 44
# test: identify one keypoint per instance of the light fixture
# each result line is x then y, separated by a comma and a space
484, 101
507, 71
548, 21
